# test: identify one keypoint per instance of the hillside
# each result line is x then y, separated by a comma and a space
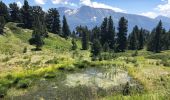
57, 72
89, 16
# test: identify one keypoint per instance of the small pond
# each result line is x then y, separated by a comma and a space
87, 84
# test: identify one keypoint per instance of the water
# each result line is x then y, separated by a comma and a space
87, 84
98, 78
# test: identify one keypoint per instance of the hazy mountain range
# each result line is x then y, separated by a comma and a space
91, 17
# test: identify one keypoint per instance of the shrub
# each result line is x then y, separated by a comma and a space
3, 91
23, 83
49, 75
25, 50
126, 90
135, 54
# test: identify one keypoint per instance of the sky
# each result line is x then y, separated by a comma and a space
149, 8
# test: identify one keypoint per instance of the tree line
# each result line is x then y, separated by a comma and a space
105, 37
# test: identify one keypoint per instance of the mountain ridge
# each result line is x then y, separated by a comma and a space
90, 17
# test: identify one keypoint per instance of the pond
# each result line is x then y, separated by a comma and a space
87, 84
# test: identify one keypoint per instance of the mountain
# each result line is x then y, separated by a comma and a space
163, 18
91, 17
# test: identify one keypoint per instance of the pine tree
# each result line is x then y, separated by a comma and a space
74, 45
104, 31
141, 39
53, 21
2, 24
150, 41
111, 33
85, 39
65, 29
133, 39
4, 11
155, 39
122, 35
39, 31
14, 12
96, 48
27, 18
95, 33
166, 41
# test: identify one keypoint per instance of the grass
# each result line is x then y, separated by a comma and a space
19, 70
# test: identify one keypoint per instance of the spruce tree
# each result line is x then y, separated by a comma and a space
155, 39
133, 39
111, 33
39, 31
14, 12
141, 39
95, 33
104, 31
96, 48
2, 24
166, 41
4, 11
37, 37
65, 29
53, 21
122, 35
150, 41
85, 39
27, 17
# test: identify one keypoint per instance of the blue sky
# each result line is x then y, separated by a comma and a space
150, 8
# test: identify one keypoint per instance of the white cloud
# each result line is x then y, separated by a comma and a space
161, 9
58, 1
41, 2
19, 4
100, 5
64, 2
150, 14
164, 9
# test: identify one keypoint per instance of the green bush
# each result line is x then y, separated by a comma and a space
25, 50
135, 54
49, 75
23, 84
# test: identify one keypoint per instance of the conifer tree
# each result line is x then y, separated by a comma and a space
85, 39
14, 12
2, 24
4, 11
95, 33
111, 33
53, 21
122, 35
104, 31
39, 31
96, 48
27, 17
133, 39
166, 41
155, 39
65, 29
150, 43
141, 39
